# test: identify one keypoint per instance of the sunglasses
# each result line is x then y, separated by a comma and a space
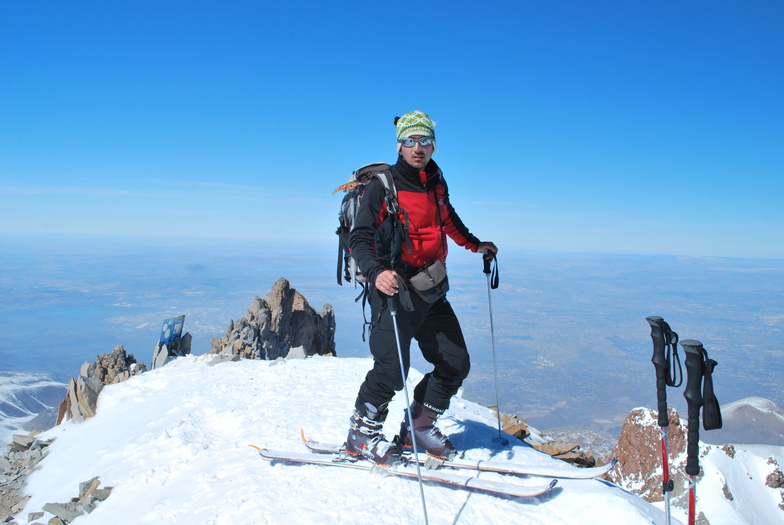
424, 141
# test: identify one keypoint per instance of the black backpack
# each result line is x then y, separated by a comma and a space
390, 234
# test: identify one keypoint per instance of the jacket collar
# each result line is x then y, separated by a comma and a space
414, 175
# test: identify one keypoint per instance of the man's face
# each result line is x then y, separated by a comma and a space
418, 155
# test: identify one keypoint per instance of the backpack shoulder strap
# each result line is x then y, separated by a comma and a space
385, 177
390, 191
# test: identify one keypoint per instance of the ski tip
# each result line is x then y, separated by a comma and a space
612, 464
302, 435
553, 483
254, 446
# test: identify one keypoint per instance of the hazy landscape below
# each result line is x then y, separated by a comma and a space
572, 343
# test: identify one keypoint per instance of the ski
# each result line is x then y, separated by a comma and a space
447, 478
566, 472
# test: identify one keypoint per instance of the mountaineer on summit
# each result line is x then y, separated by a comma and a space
423, 204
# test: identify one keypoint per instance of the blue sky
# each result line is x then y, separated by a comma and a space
619, 127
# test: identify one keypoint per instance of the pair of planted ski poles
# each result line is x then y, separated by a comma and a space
669, 373
491, 270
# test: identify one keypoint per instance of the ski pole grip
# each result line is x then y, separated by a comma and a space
490, 270
693, 395
392, 304
660, 363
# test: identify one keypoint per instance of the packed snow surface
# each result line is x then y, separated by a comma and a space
743, 476
173, 443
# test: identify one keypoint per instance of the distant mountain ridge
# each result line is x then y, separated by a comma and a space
752, 420
22, 398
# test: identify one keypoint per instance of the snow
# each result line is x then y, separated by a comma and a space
173, 443
744, 475
731, 487
765, 451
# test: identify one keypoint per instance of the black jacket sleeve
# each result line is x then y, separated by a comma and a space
362, 239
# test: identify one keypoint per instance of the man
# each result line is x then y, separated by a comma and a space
422, 193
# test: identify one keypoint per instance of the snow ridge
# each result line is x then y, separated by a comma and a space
760, 403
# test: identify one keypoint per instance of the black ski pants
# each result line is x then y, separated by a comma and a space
437, 330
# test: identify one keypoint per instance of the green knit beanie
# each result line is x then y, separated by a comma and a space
414, 123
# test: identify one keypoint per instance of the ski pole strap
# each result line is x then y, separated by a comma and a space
403, 294
674, 375
491, 268
711, 412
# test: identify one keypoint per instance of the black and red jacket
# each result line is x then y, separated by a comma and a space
423, 195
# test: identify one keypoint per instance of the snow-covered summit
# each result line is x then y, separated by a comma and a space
759, 403
173, 444
752, 420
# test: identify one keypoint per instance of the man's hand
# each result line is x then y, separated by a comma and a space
387, 282
482, 246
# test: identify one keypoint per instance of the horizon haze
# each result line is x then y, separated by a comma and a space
573, 347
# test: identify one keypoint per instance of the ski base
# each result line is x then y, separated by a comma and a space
447, 478
484, 466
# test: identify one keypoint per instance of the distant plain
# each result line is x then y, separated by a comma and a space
572, 345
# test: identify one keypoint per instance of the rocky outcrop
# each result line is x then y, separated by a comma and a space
279, 322
638, 451
566, 451
598, 444
116, 366
81, 400
22, 455
569, 452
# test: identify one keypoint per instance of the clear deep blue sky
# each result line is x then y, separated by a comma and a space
625, 127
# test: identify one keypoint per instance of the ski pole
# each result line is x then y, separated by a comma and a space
662, 336
693, 395
492, 283
393, 313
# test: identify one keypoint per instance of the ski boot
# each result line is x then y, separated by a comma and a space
428, 436
365, 439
